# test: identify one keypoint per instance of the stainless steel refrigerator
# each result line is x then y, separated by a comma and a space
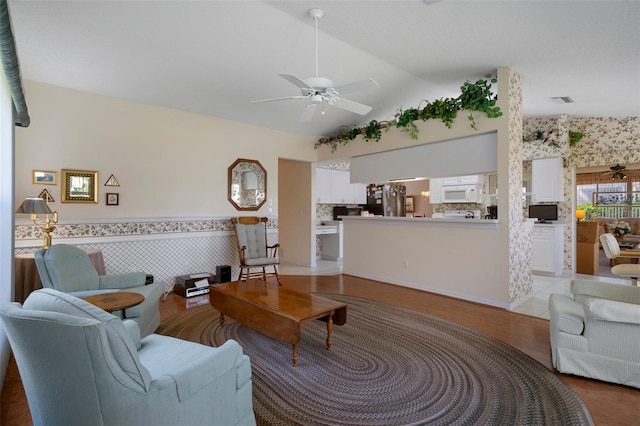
387, 200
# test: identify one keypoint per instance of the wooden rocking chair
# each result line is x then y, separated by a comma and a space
255, 253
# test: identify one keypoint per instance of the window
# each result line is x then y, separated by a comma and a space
602, 197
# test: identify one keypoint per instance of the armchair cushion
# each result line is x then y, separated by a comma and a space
253, 238
122, 345
189, 364
80, 275
259, 261
583, 290
612, 311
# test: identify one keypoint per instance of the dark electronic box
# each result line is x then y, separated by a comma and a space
193, 284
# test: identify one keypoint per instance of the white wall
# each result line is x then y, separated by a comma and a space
454, 260
169, 163
296, 220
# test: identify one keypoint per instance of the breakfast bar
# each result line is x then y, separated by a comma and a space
463, 258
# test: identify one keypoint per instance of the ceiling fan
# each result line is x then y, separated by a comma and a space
318, 90
616, 172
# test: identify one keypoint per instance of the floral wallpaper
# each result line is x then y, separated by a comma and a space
520, 239
606, 141
87, 230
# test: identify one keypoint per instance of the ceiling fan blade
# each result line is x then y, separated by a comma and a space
352, 106
307, 113
357, 86
291, 78
279, 99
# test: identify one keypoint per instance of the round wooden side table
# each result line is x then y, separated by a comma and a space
115, 301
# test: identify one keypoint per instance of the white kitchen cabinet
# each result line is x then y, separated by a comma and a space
462, 180
548, 249
323, 186
547, 180
435, 191
359, 193
335, 187
340, 187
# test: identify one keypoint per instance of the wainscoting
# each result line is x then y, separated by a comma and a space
163, 248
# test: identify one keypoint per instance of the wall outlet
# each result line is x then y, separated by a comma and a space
405, 264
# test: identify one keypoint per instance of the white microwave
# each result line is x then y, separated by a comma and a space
461, 194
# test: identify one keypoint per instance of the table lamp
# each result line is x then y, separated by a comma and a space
36, 206
581, 215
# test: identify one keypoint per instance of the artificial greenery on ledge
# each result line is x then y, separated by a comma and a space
473, 97
550, 137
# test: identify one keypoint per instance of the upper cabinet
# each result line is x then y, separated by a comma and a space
547, 180
334, 187
462, 180
323, 185
435, 191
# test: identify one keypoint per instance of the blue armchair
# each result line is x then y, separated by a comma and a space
68, 269
83, 366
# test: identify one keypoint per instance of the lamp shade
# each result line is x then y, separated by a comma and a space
581, 214
34, 206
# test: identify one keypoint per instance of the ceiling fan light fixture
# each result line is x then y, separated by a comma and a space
318, 89
618, 176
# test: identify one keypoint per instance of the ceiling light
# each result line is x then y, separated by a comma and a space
618, 175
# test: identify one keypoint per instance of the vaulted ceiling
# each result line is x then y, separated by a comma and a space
214, 57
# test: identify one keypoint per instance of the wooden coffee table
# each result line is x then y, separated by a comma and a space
274, 310
115, 301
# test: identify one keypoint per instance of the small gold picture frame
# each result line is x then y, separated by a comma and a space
113, 198
45, 177
79, 186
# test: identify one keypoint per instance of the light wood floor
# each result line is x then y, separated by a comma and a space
608, 404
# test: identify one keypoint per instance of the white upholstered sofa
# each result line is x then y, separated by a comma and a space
83, 366
596, 332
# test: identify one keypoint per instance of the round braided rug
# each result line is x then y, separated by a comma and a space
389, 366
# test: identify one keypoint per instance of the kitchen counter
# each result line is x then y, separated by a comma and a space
326, 229
458, 222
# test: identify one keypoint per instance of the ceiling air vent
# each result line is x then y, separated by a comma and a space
562, 100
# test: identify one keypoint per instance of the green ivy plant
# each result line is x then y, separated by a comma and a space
550, 137
372, 131
476, 96
405, 121
575, 137
479, 97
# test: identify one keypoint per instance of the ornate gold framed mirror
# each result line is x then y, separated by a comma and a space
247, 184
